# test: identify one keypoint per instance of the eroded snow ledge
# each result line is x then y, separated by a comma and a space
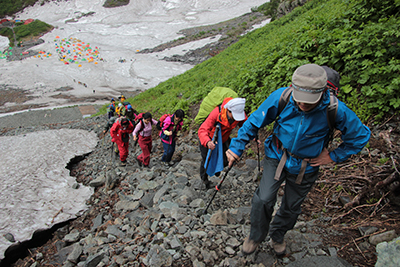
36, 188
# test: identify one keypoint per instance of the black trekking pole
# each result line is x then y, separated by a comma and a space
217, 187
259, 175
258, 153
104, 136
215, 137
135, 143
112, 152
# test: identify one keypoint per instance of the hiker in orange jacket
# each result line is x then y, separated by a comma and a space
120, 132
230, 114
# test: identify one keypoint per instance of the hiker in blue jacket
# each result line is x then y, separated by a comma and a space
294, 152
111, 109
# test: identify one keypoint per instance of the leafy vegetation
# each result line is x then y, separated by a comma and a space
270, 8
349, 36
35, 28
10, 7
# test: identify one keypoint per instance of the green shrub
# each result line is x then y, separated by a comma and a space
10, 7
35, 28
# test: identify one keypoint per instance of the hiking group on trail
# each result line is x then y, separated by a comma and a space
124, 121
304, 116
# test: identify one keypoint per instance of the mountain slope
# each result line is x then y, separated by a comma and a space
350, 37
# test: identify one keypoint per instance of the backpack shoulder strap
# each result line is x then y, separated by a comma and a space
219, 115
284, 99
141, 125
331, 110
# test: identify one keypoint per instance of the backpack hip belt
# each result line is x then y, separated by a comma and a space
282, 162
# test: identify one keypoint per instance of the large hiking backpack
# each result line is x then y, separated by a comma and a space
212, 100
333, 80
160, 122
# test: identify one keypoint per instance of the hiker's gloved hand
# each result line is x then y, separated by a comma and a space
168, 132
231, 157
211, 145
322, 159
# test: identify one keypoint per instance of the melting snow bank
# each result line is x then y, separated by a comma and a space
37, 191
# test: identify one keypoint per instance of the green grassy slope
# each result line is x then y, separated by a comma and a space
10, 7
357, 38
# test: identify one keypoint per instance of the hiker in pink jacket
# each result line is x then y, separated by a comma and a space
171, 126
142, 133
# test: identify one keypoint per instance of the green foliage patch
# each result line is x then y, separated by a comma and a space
35, 28
10, 7
270, 8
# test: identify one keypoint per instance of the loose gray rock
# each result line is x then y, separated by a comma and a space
388, 253
158, 257
383, 237
9, 237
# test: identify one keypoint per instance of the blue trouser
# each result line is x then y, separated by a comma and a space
264, 200
169, 150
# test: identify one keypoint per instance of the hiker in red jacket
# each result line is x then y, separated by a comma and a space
120, 132
143, 133
230, 114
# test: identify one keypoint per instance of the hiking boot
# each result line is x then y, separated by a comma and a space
165, 163
123, 163
208, 184
139, 162
249, 246
279, 248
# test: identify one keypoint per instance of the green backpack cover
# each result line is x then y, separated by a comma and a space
212, 100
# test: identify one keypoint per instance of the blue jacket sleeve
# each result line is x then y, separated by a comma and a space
260, 118
355, 135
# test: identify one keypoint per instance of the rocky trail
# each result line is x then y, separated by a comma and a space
154, 216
